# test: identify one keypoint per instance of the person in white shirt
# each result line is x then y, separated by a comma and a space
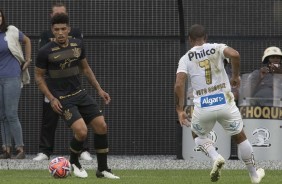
213, 99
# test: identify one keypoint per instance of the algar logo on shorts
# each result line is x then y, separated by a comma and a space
213, 100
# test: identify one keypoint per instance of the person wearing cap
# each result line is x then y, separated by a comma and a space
261, 81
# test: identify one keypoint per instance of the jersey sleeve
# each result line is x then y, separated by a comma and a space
82, 55
182, 65
221, 48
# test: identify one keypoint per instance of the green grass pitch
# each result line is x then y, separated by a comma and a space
138, 177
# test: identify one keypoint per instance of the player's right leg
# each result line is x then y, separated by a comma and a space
80, 132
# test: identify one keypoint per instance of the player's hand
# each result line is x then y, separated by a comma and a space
106, 97
56, 105
183, 119
235, 82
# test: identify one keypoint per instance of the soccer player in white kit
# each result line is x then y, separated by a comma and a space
213, 99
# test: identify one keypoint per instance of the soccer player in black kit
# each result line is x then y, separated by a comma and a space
49, 117
62, 60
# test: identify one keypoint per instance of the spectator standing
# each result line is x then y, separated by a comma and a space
13, 74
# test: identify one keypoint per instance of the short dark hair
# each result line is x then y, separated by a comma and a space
4, 25
197, 31
59, 4
60, 18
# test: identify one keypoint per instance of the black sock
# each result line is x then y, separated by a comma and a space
102, 161
101, 147
75, 150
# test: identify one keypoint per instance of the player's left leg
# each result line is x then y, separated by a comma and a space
247, 156
232, 122
101, 146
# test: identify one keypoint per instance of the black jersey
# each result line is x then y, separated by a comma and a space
62, 66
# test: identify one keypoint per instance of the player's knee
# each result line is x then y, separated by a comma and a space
101, 128
240, 137
99, 125
81, 134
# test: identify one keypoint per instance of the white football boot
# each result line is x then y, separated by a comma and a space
106, 174
85, 156
81, 173
216, 170
260, 173
41, 156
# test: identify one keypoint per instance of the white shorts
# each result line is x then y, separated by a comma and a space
229, 117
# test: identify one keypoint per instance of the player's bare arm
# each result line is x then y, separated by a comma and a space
235, 62
41, 83
87, 71
179, 91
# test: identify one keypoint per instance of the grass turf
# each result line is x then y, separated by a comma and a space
138, 177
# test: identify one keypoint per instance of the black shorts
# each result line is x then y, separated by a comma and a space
80, 105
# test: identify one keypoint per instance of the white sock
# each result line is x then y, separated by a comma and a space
247, 156
207, 145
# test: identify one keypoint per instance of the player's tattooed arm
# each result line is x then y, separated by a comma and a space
179, 91
176, 101
40, 81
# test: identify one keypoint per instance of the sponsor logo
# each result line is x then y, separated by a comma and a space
55, 57
200, 54
213, 100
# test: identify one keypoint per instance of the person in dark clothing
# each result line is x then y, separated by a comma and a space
49, 117
261, 81
57, 74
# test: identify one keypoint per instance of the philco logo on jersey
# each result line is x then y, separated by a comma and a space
213, 100
200, 54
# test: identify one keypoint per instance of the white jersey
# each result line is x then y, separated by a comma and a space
210, 83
